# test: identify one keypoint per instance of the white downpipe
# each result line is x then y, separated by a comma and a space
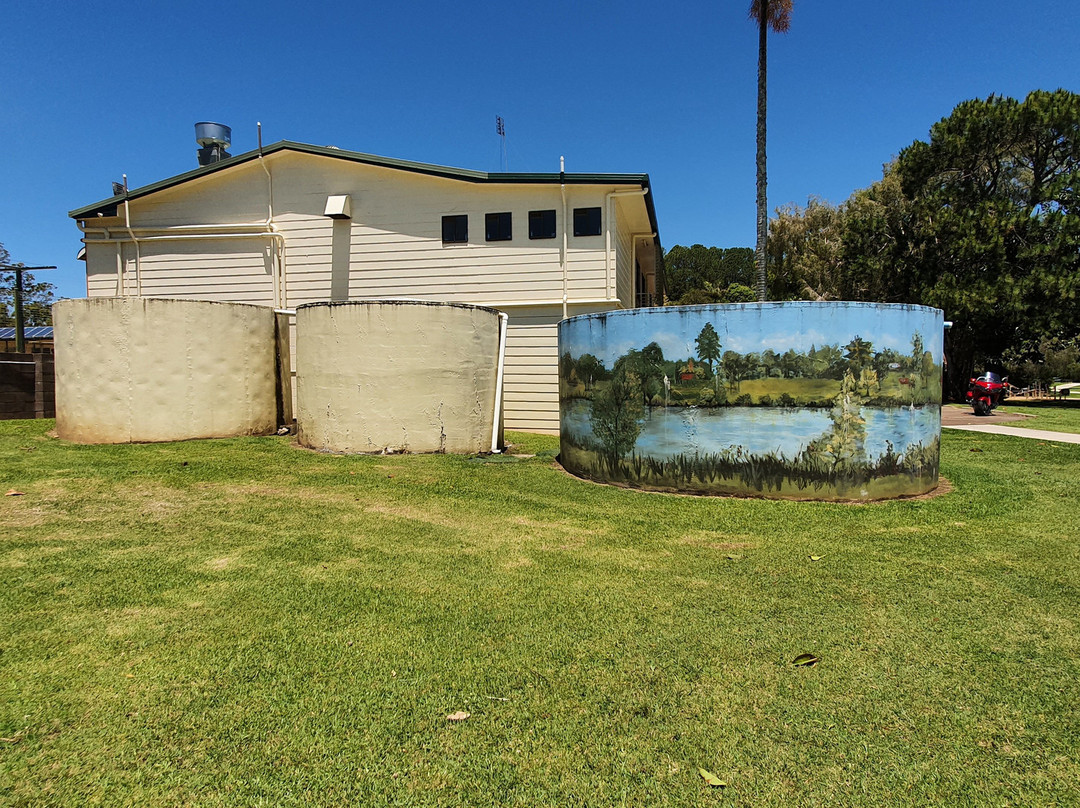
278, 265
135, 241
609, 206
504, 320
565, 258
119, 270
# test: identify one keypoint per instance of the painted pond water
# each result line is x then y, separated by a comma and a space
669, 432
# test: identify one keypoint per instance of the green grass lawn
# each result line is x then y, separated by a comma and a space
241, 622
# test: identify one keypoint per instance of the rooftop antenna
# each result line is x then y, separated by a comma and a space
500, 129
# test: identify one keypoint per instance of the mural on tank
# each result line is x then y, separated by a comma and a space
831, 400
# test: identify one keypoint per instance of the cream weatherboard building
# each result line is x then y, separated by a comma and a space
293, 223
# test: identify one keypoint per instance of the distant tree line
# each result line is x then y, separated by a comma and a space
699, 274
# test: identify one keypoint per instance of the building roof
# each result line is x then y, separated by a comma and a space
29, 332
108, 207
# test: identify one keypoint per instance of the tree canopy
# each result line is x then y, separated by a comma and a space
700, 274
37, 296
981, 220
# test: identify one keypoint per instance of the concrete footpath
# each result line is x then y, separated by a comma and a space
965, 419
1018, 432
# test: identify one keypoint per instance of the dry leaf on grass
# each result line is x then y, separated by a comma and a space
460, 715
14, 493
711, 778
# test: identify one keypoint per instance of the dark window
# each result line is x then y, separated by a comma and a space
455, 229
497, 227
586, 221
541, 224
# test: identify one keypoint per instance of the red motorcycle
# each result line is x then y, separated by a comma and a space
987, 392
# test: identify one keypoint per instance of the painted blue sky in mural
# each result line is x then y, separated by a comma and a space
754, 327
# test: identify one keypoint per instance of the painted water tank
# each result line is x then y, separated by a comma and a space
132, 369
397, 375
809, 400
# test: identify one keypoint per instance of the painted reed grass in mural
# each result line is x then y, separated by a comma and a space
847, 418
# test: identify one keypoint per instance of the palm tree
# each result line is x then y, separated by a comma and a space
774, 14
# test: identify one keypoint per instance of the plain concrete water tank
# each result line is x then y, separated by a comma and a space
396, 375
134, 369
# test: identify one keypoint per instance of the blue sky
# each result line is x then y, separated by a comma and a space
90, 92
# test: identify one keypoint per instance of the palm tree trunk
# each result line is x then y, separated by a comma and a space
762, 199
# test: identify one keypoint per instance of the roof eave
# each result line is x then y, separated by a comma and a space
506, 178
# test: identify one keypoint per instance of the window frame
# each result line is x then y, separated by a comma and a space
540, 216
494, 224
580, 221
455, 219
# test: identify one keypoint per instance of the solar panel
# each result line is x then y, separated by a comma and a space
29, 332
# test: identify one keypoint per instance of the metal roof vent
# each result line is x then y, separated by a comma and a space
213, 140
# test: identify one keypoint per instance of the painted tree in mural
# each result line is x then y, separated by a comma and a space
652, 372
868, 378
736, 367
616, 415
844, 444
915, 368
647, 366
859, 352
708, 348
589, 370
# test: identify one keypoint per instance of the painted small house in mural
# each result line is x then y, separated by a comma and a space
292, 223
810, 400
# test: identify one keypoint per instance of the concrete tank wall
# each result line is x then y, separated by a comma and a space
134, 369
830, 400
393, 375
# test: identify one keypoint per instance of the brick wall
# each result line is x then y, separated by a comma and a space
27, 386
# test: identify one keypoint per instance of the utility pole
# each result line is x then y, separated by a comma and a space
19, 325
